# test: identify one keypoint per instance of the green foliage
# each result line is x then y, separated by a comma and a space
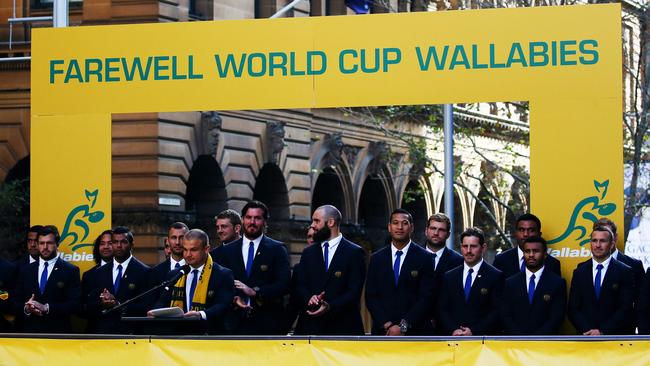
14, 213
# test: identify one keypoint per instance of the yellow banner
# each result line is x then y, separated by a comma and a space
288, 351
566, 61
71, 180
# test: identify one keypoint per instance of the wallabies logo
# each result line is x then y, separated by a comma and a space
585, 214
76, 228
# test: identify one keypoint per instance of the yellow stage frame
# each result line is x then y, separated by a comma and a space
566, 61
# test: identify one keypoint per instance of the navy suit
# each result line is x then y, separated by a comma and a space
62, 293
481, 312
218, 300
612, 312
410, 300
643, 305
135, 280
88, 284
8, 274
449, 260
157, 275
342, 284
546, 313
270, 278
508, 263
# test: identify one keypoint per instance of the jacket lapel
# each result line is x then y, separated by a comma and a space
336, 262
261, 251
239, 268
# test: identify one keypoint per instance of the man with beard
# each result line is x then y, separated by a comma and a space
48, 291
400, 282
470, 294
511, 261
122, 279
262, 276
32, 254
228, 224
330, 279
437, 232
534, 301
174, 238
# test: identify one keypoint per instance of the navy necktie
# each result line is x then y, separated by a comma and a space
396, 266
177, 265
116, 285
531, 289
597, 280
195, 277
251, 257
326, 255
434, 261
43, 282
468, 283
523, 265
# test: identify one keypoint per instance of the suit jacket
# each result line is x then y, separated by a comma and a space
449, 260
8, 274
342, 284
270, 278
481, 312
62, 293
410, 300
508, 263
88, 284
135, 280
612, 312
544, 316
218, 301
637, 269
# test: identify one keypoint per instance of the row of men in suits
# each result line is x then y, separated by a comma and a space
410, 289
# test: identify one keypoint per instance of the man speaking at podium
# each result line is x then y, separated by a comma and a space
206, 291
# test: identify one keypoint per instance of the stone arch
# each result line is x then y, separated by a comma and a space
271, 188
20, 170
206, 194
374, 207
414, 201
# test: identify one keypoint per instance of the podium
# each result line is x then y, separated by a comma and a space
141, 325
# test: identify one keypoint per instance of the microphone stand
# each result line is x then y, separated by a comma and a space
133, 299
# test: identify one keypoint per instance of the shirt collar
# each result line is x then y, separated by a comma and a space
124, 264
333, 242
476, 267
438, 254
199, 268
256, 241
404, 250
50, 262
172, 262
520, 254
615, 253
538, 274
102, 262
605, 263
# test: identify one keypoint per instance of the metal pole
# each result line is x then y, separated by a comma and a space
60, 13
285, 9
448, 117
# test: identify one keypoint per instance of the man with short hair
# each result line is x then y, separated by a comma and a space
534, 301
229, 225
330, 279
470, 294
437, 232
122, 279
174, 238
31, 246
399, 284
602, 290
205, 292
262, 276
48, 291
511, 261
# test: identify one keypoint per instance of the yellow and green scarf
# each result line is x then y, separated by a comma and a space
200, 293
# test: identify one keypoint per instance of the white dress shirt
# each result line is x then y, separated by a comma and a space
172, 263
333, 244
394, 250
438, 254
602, 271
124, 264
538, 275
50, 267
466, 268
244, 248
188, 284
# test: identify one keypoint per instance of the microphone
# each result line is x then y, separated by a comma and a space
181, 272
